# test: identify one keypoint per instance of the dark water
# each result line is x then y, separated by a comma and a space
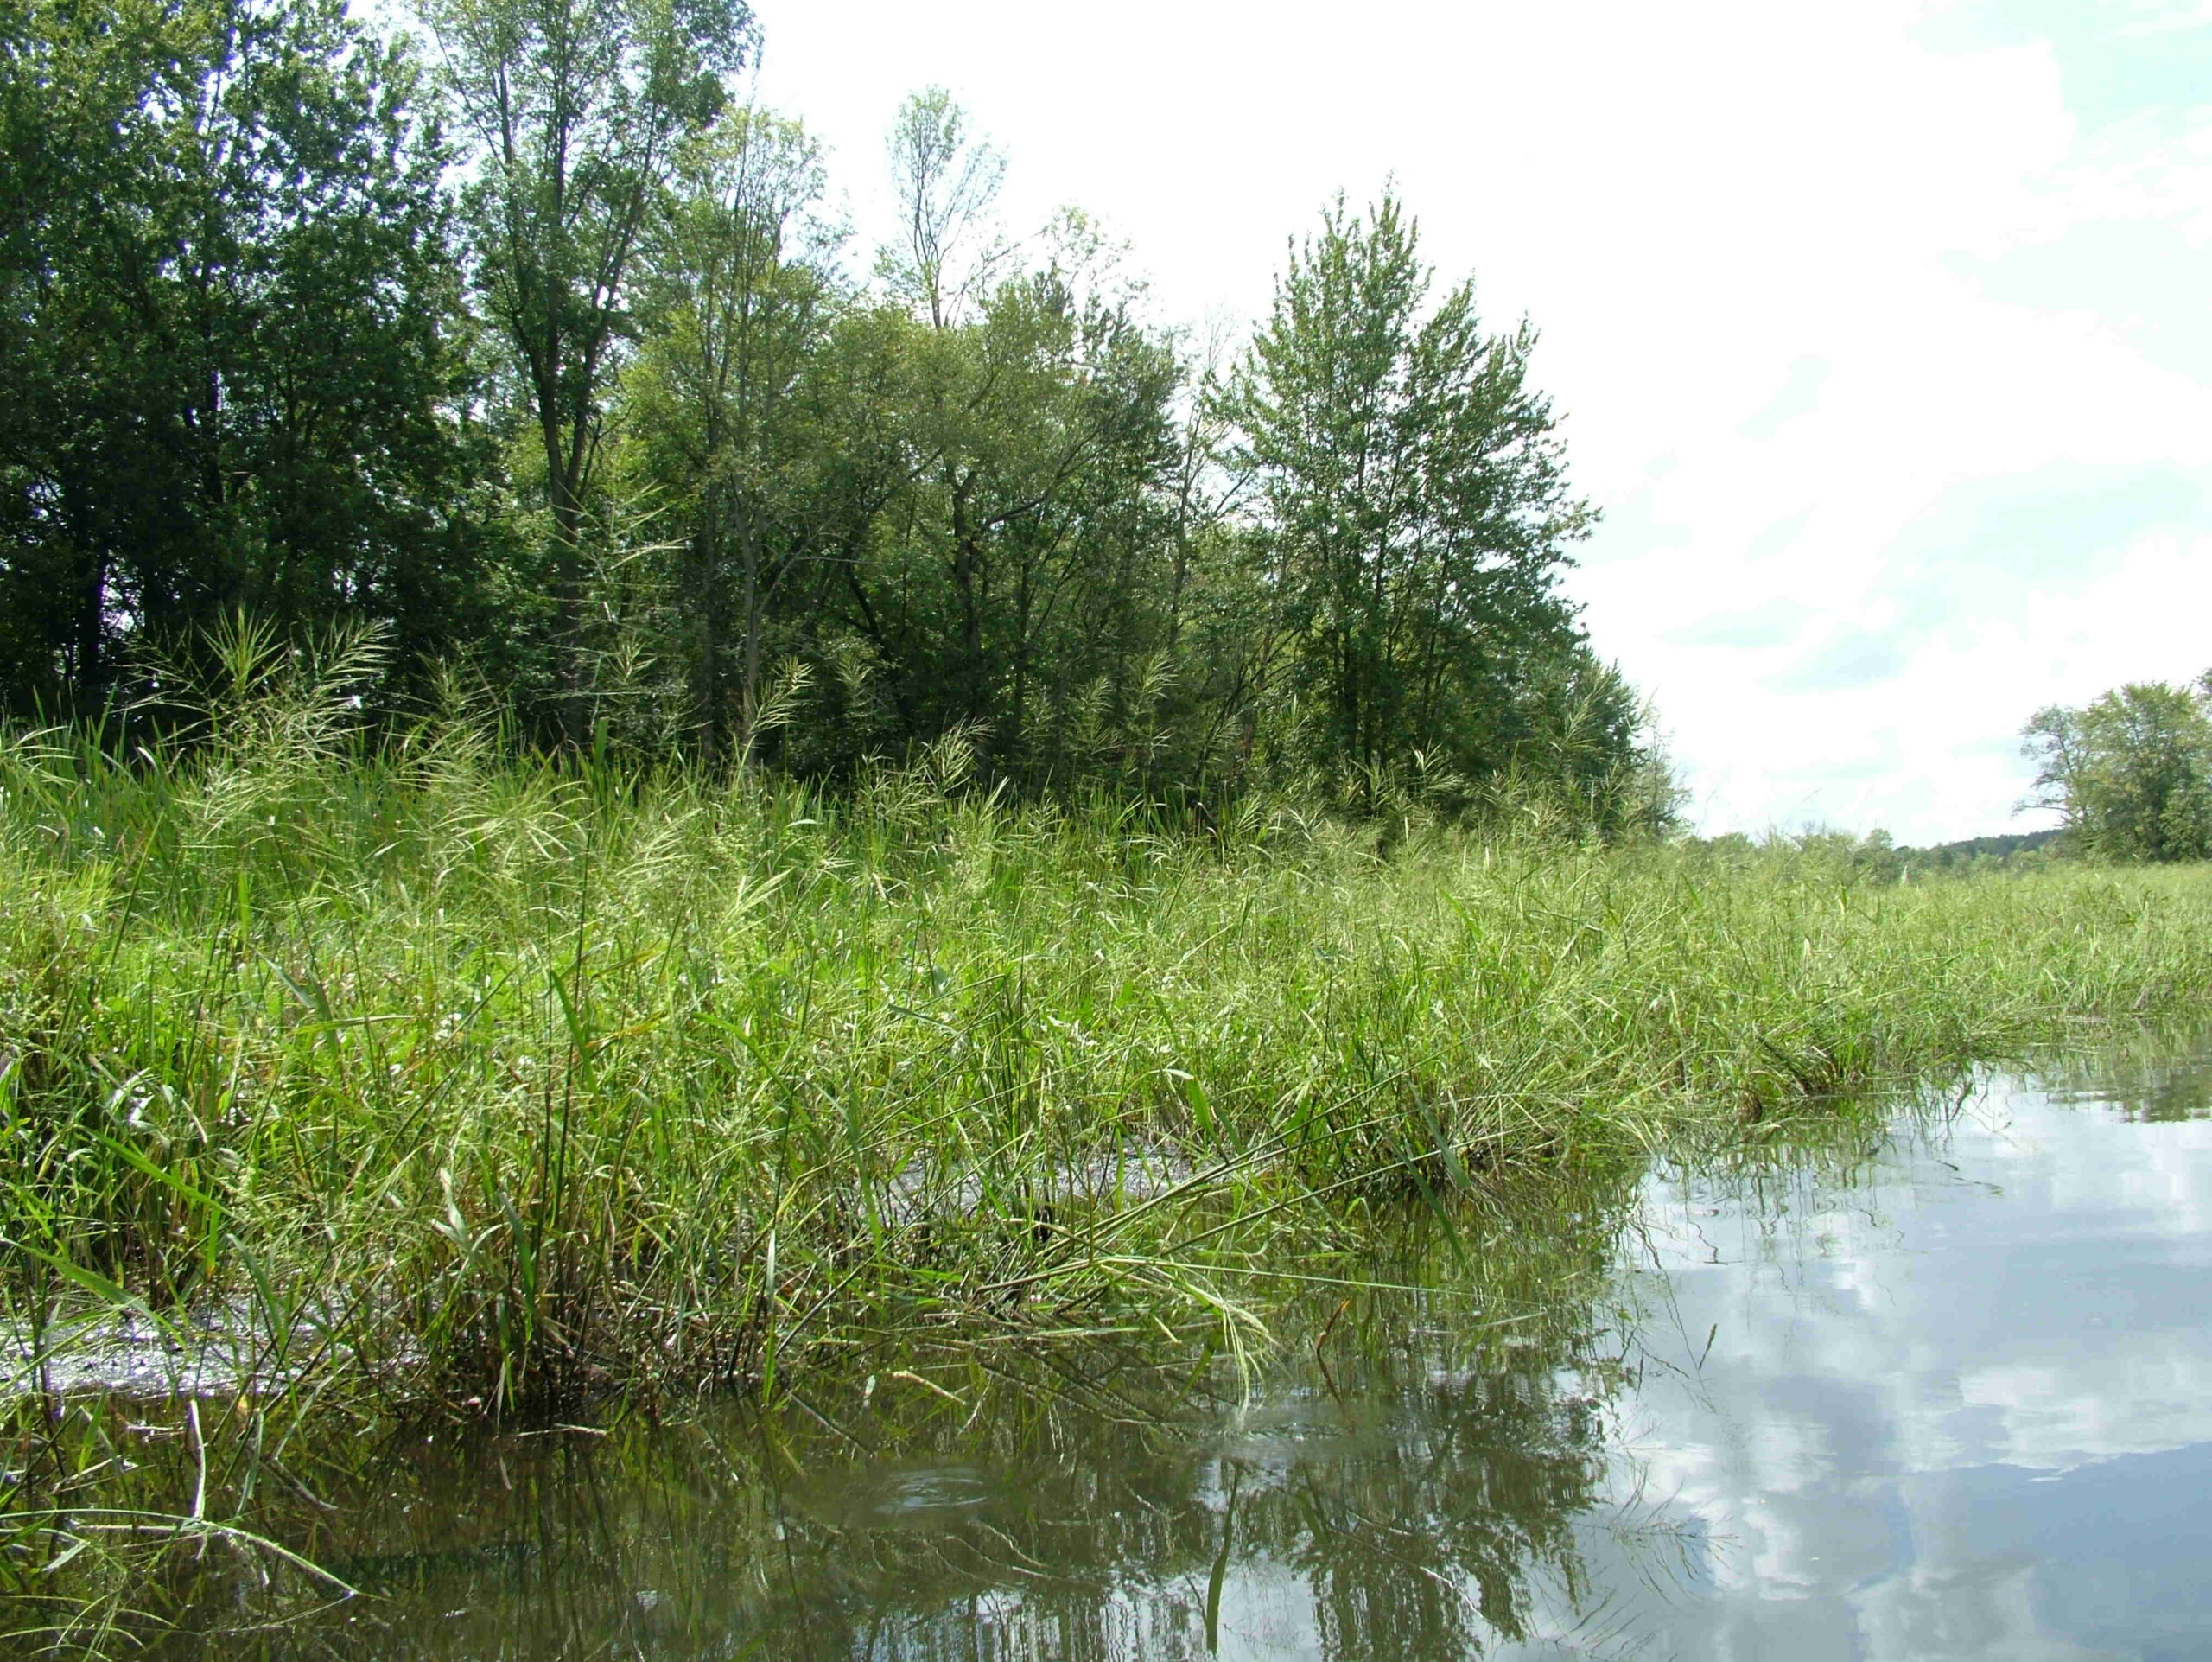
1943, 1391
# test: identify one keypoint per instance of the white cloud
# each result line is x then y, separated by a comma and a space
1918, 1392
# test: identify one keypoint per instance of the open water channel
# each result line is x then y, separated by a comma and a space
1941, 1389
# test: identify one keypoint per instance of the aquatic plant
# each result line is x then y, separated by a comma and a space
431, 1076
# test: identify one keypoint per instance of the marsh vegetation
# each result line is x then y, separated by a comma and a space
376, 1079
1448, 1442
608, 815
509, 1083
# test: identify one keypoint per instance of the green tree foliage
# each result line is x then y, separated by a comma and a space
2131, 772
592, 402
1034, 430
945, 499
1416, 507
227, 331
738, 297
1585, 758
578, 111
947, 182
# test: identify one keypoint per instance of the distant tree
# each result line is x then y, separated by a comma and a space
2015, 852
947, 181
2131, 772
994, 439
737, 297
1033, 433
1414, 500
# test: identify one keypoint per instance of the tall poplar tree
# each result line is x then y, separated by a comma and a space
1414, 500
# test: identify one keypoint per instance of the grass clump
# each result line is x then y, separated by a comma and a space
445, 1078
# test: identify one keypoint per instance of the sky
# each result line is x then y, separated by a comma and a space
1882, 332
1955, 1412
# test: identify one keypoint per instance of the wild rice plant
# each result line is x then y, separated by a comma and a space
439, 1076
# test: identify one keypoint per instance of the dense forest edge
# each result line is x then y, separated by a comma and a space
525, 347
518, 344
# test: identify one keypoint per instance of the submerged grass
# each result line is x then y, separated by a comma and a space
432, 1076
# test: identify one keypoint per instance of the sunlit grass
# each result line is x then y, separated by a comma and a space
431, 1080
445, 1078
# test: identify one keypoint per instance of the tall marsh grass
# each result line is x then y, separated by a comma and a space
439, 1077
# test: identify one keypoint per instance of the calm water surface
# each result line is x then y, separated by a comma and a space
1942, 1393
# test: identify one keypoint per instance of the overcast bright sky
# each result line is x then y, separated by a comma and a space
1882, 330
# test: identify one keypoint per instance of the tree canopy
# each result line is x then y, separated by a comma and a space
1417, 512
2130, 773
535, 349
229, 321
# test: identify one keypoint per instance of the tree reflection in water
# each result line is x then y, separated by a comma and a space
2144, 1072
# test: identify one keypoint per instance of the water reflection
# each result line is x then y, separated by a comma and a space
1413, 1479
2144, 1081
1958, 1409
1938, 1391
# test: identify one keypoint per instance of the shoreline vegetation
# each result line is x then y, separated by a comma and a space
408, 1082
463, 1082
525, 345
604, 799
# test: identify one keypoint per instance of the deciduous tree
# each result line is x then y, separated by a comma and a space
1413, 498
2130, 772
578, 111
738, 297
228, 330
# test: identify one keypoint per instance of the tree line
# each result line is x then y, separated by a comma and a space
533, 347
2129, 772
